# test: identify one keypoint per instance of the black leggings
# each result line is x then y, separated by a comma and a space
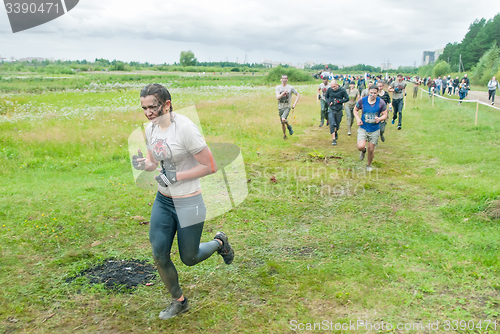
186, 217
491, 95
334, 117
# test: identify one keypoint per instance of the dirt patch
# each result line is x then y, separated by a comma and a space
119, 274
299, 251
493, 209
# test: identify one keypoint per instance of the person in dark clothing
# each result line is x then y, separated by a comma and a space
387, 99
361, 84
455, 85
335, 97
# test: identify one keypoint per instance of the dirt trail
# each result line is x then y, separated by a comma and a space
482, 97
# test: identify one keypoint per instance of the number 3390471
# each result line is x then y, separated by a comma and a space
32, 8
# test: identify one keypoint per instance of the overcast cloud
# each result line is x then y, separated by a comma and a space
338, 32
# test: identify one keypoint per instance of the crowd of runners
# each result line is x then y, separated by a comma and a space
356, 94
366, 102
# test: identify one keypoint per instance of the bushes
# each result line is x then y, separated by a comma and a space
441, 69
294, 75
487, 67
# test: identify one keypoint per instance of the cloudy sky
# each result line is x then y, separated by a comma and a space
339, 32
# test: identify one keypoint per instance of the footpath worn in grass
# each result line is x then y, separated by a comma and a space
414, 241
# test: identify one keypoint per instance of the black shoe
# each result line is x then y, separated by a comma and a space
382, 138
175, 308
226, 251
334, 142
399, 127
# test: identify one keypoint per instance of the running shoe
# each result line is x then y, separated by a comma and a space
327, 123
334, 142
175, 308
290, 129
285, 137
369, 168
349, 133
226, 250
399, 127
321, 124
362, 155
392, 122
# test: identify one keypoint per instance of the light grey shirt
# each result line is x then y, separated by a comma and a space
399, 86
286, 100
176, 147
492, 85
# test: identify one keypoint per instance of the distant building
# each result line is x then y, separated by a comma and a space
430, 57
309, 64
31, 59
270, 63
386, 65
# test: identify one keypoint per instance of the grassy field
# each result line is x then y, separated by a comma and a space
414, 241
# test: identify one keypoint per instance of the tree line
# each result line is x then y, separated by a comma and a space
480, 37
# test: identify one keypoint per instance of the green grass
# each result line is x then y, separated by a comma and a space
412, 241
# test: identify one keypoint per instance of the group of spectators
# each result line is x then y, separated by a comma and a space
441, 86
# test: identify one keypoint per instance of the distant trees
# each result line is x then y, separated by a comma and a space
320, 67
480, 37
294, 75
363, 68
441, 69
488, 66
187, 58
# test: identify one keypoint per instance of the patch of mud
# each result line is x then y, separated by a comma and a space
119, 274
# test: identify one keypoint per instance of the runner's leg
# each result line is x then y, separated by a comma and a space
162, 229
189, 231
371, 153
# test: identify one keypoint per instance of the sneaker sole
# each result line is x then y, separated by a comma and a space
221, 236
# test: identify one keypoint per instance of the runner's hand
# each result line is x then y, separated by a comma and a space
138, 161
360, 122
319, 97
166, 178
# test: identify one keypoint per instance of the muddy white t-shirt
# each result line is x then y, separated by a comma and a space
323, 88
176, 147
286, 100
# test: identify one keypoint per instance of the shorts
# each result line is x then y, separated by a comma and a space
371, 137
284, 113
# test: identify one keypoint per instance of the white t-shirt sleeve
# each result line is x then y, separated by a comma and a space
149, 133
191, 137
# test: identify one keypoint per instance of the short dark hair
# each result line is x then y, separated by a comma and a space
373, 87
161, 93
400, 75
